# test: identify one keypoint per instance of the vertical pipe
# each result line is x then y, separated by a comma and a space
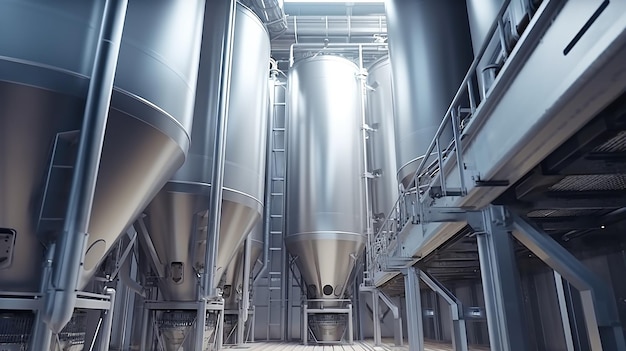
364, 131
245, 300
107, 323
42, 335
217, 178
70, 252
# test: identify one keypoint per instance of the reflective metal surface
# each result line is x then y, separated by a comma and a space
481, 14
382, 142
324, 197
232, 281
429, 48
177, 218
43, 82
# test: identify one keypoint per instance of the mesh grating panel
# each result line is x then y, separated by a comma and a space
615, 144
591, 182
560, 213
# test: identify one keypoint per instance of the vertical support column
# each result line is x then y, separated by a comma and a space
60, 297
376, 317
567, 328
145, 323
305, 324
413, 309
219, 337
200, 321
500, 280
107, 322
350, 326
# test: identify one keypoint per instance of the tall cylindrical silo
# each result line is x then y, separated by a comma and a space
44, 76
382, 141
430, 52
177, 216
324, 208
481, 15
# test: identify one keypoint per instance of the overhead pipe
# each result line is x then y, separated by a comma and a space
60, 298
219, 153
272, 14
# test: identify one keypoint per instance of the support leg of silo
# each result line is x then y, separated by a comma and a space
413, 309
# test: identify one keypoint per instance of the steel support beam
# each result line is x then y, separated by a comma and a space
500, 280
376, 317
415, 328
459, 331
567, 328
599, 307
395, 310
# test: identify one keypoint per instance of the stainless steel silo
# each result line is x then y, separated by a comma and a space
324, 178
233, 285
430, 52
177, 218
46, 56
380, 116
481, 15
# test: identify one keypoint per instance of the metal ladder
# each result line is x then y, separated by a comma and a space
58, 177
276, 297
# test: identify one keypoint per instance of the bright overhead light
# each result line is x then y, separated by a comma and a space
334, 1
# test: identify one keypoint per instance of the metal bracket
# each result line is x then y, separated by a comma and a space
444, 214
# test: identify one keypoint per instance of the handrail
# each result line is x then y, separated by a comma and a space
409, 206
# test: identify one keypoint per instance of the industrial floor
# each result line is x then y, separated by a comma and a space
357, 346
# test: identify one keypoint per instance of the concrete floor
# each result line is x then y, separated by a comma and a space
357, 346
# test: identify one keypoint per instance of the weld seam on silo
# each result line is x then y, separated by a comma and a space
70, 253
219, 156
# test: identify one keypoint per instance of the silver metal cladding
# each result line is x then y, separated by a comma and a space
177, 218
430, 52
382, 141
324, 198
44, 76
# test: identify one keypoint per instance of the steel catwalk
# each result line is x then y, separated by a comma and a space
430, 52
44, 76
177, 218
324, 189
